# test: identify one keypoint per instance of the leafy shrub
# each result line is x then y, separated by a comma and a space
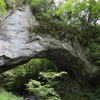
46, 90
9, 96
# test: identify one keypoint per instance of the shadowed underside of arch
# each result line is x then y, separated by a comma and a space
63, 60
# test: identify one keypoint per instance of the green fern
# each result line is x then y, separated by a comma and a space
45, 90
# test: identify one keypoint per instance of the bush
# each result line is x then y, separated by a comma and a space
8, 96
46, 90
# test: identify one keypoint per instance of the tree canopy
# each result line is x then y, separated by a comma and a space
84, 15
84, 12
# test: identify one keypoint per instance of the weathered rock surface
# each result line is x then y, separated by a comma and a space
17, 46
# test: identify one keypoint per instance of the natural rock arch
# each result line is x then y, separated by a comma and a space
17, 47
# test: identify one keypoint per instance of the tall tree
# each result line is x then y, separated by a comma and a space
84, 15
87, 12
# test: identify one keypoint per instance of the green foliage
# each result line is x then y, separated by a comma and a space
10, 4
9, 96
45, 13
47, 81
73, 15
86, 11
16, 78
59, 29
2, 7
39, 6
83, 15
46, 90
49, 76
36, 65
95, 52
85, 94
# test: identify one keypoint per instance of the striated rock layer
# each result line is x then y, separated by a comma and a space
17, 46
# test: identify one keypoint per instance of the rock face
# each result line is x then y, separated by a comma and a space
17, 46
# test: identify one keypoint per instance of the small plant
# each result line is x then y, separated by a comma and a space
45, 90
8, 96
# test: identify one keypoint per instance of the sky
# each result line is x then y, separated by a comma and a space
59, 1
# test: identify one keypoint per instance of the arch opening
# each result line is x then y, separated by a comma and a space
64, 61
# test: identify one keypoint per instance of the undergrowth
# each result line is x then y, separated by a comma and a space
4, 95
46, 89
